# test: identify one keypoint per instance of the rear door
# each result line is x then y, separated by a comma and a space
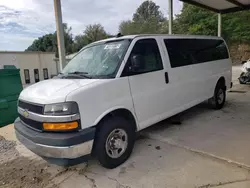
149, 85
186, 78
196, 66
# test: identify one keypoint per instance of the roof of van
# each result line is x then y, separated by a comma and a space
159, 35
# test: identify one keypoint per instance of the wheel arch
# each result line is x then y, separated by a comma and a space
118, 111
222, 80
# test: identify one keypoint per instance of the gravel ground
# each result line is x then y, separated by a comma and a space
6, 145
7, 150
16, 174
14, 171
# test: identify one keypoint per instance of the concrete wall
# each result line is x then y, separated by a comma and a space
30, 61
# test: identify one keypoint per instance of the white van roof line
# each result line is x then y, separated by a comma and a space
160, 35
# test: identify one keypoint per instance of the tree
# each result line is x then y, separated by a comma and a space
68, 39
195, 20
147, 12
128, 27
94, 33
236, 26
91, 34
79, 42
147, 19
48, 42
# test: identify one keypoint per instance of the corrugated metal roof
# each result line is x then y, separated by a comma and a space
221, 6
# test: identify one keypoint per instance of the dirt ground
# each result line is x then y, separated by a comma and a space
198, 148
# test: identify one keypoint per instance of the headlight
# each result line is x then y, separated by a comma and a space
67, 108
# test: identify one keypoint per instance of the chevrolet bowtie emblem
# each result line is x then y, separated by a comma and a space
25, 113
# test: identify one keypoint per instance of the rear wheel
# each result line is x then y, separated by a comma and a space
219, 98
114, 141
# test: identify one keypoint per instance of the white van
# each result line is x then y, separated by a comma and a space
113, 88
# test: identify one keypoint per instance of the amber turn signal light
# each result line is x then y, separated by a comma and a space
60, 126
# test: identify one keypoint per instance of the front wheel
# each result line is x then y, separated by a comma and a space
114, 141
219, 98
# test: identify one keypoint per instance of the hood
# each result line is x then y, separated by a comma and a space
53, 91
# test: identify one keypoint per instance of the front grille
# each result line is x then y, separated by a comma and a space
31, 123
31, 107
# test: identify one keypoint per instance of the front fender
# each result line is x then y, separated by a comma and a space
100, 98
112, 110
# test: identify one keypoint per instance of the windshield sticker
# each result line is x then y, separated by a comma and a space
112, 46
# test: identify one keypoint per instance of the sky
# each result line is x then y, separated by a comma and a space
22, 21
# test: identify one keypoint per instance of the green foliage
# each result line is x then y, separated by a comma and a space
94, 33
147, 19
194, 20
79, 42
127, 27
48, 42
147, 12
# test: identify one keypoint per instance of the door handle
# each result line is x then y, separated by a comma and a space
166, 78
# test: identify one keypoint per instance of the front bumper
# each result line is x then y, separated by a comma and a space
56, 146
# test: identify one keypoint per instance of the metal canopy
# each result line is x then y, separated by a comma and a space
221, 6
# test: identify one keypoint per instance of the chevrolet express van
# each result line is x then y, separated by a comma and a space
116, 87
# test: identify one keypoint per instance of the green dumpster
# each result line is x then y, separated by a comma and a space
10, 88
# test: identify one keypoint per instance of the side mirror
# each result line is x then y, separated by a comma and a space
136, 62
243, 62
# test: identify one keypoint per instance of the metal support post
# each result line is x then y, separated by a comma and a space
60, 33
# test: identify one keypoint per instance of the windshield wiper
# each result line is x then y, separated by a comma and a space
79, 74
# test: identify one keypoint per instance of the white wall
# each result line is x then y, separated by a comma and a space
31, 61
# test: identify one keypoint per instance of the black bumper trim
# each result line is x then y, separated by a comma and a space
55, 139
67, 162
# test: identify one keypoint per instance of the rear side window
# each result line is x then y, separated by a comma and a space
184, 52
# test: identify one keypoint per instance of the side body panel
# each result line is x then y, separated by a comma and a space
155, 100
101, 98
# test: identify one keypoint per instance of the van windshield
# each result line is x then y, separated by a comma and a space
101, 60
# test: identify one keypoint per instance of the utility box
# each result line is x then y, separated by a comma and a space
10, 88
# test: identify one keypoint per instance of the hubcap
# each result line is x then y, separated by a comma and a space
116, 143
220, 96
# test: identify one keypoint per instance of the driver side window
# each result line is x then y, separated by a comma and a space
148, 51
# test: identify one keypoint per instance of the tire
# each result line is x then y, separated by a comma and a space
241, 78
218, 100
109, 138
241, 82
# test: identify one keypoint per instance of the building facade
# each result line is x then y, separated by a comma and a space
34, 66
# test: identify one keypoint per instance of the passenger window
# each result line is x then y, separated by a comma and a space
210, 50
178, 51
184, 52
148, 52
